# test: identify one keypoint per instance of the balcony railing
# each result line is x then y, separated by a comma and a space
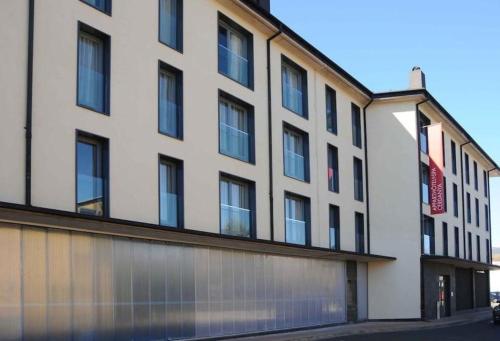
235, 221
294, 165
292, 98
295, 231
234, 142
233, 65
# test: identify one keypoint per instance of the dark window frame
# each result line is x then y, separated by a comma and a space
334, 214
107, 7
467, 170
443, 148
476, 180
305, 144
179, 94
356, 124
424, 121
425, 177
429, 230
478, 219
455, 200
445, 239
457, 242
469, 209
485, 183
250, 46
303, 72
453, 157
445, 190
333, 115
106, 40
488, 254
469, 239
486, 217
478, 248
179, 28
359, 242
307, 215
333, 149
179, 167
360, 194
251, 125
104, 143
252, 201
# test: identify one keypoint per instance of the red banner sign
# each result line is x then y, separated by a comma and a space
436, 181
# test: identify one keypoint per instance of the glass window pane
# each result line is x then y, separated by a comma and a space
295, 221
292, 89
90, 183
294, 155
91, 72
234, 132
233, 54
235, 213
168, 103
168, 194
169, 14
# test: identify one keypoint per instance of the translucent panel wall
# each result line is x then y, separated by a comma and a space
87, 287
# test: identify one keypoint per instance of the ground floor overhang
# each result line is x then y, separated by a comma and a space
49, 218
460, 263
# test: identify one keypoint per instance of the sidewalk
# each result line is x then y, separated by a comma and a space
372, 327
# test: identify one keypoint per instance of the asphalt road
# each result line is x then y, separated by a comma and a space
482, 331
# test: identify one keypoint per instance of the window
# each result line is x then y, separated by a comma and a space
488, 259
486, 217
334, 227
171, 23
236, 128
469, 237
356, 125
359, 221
457, 243
171, 192
331, 110
476, 185
237, 207
428, 237
91, 175
485, 183
453, 157
425, 183
424, 122
478, 248
296, 150
467, 175
444, 148
235, 52
294, 87
445, 190
101, 5
455, 200
358, 179
93, 69
170, 101
476, 202
333, 169
469, 214
297, 219
445, 239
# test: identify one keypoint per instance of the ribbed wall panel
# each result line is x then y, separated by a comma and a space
59, 285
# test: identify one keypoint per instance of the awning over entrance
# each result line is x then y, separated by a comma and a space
461, 263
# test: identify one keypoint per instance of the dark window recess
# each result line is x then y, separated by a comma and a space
170, 30
476, 182
237, 207
235, 51
476, 204
236, 128
333, 169
423, 123
428, 240
488, 257
171, 192
297, 219
469, 240
485, 183
486, 217
425, 183
93, 69
455, 200
334, 223
478, 248
453, 157
444, 148
170, 101
294, 87
101, 5
91, 175
356, 126
457, 242
296, 153
469, 213
445, 239
359, 221
331, 110
358, 179
467, 173
445, 190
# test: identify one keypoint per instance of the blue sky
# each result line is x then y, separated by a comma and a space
455, 42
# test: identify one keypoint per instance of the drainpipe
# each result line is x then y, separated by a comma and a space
29, 103
366, 176
422, 285
270, 132
463, 196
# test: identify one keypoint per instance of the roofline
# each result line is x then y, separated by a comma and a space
427, 95
278, 24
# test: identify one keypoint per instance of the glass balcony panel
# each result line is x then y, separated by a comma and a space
233, 65
294, 165
168, 117
168, 209
292, 98
235, 221
295, 231
234, 142
90, 195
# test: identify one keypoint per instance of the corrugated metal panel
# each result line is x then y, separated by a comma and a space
64, 285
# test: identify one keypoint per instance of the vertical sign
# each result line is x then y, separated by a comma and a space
436, 181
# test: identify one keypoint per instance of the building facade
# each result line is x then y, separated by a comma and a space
195, 169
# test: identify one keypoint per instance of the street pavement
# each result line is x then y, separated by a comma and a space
481, 331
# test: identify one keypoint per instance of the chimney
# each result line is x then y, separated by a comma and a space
417, 78
264, 4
